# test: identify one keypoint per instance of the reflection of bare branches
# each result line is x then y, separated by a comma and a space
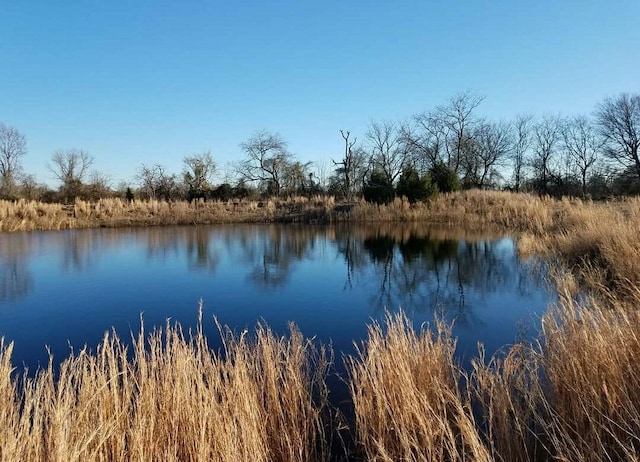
199, 252
350, 248
163, 242
422, 273
275, 250
15, 278
78, 253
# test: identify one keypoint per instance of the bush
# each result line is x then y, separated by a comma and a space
415, 187
378, 188
224, 192
444, 178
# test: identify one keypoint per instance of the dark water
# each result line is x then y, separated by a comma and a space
65, 289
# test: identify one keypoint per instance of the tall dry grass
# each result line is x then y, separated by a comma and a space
263, 398
405, 390
572, 396
575, 397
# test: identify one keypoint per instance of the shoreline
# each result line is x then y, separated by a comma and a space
574, 395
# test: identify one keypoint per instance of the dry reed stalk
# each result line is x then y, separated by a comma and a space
508, 392
404, 387
171, 398
590, 356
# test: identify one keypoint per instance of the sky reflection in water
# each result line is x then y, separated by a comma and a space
67, 288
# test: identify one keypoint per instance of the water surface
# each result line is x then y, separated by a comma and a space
65, 289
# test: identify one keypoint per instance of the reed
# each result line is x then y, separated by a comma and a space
170, 397
408, 406
573, 395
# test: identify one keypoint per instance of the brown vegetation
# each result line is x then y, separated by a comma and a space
262, 399
574, 395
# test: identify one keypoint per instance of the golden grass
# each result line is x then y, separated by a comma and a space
408, 406
171, 398
574, 396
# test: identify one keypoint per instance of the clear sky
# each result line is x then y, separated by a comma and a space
151, 81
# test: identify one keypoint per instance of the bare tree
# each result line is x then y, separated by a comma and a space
490, 147
297, 178
266, 161
197, 174
389, 153
30, 189
99, 185
425, 138
321, 176
547, 135
147, 180
70, 168
618, 122
582, 144
13, 146
349, 168
458, 119
156, 183
522, 141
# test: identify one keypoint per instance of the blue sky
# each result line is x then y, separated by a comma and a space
153, 81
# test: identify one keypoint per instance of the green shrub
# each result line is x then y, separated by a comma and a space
415, 187
444, 178
378, 188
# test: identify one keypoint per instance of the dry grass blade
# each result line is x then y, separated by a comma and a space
408, 406
171, 398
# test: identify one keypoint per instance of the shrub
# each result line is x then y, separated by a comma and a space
378, 188
445, 178
415, 187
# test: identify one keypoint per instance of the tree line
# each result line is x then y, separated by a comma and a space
443, 149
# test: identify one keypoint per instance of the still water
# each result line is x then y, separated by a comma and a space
64, 289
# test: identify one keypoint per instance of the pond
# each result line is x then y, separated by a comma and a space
65, 289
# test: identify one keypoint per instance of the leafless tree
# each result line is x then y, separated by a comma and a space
547, 136
389, 153
99, 185
156, 183
71, 165
266, 161
491, 145
458, 119
321, 175
297, 178
13, 146
522, 141
350, 167
618, 121
70, 168
198, 174
582, 144
425, 138
30, 189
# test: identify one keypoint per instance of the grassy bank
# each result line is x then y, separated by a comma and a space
597, 241
478, 208
572, 396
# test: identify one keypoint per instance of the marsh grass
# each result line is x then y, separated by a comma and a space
170, 397
408, 406
574, 395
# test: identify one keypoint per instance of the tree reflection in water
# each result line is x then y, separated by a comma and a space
409, 266
15, 277
426, 271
